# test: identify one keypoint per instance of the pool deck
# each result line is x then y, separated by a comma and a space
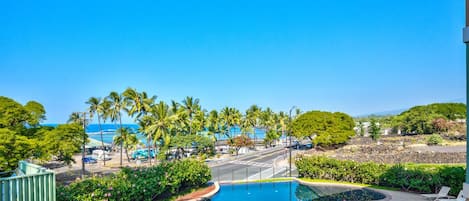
390, 195
402, 196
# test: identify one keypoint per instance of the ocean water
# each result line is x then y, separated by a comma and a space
109, 131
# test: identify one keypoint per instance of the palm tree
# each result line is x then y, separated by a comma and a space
139, 104
143, 124
161, 123
191, 106
200, 120
133, 101
267, 119
282, 121
253, 113
127, 138
213, 124
246, 124
230, 118
117, 105
76, 118
96, 108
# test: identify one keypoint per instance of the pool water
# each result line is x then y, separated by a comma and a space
292, 191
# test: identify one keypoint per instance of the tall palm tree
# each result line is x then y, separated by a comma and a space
143, 124
133, 101
191, 106
283, 121
117, 105
246, 124
213, 124
253, 113
200, 120
139, 104
161, 123
230, 118
95, 107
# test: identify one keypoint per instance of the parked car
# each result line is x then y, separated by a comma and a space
143, 154
89, 160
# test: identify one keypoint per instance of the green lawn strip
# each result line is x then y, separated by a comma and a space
348, 183
318, 181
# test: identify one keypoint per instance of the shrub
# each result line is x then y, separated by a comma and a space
408, 177
151, 183
434, 139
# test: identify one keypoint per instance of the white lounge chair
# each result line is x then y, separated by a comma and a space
443, 193
459, 198
462, 196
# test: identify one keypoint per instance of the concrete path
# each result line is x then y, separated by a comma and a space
402, 196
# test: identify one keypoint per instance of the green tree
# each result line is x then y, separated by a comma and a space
230, 117
191, 106
253, 114
128, 139
270, 137
213, 124
324, 128
64, 141
419, 119
138, 105
77, 118
161, 123
240, 141
143, 124
116, 106
12, 114
362, 128
13, 148
36, 111
96, 107
375, 130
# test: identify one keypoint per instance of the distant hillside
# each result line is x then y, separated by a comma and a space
399, 111
383, 113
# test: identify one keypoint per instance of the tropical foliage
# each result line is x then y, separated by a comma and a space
324, 128
173, 125
152, 183
428, 119
409, 177
375, 130
22, 136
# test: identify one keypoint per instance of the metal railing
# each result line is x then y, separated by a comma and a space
32, 183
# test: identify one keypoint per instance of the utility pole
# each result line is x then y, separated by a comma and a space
466, 41
84, 146
289, 133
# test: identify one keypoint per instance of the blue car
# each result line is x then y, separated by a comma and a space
89, 160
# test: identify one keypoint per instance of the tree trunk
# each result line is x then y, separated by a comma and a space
149, 149
122, 143
102, 140
127, 154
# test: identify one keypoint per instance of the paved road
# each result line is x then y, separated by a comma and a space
252, 167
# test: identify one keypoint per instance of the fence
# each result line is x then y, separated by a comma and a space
32, 183
251, 173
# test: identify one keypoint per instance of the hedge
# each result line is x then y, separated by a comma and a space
426, 178
152, 183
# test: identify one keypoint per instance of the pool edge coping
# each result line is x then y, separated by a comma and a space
388, 197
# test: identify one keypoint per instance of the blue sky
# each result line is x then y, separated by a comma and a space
357, 57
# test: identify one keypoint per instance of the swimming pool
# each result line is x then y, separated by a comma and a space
293, 191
